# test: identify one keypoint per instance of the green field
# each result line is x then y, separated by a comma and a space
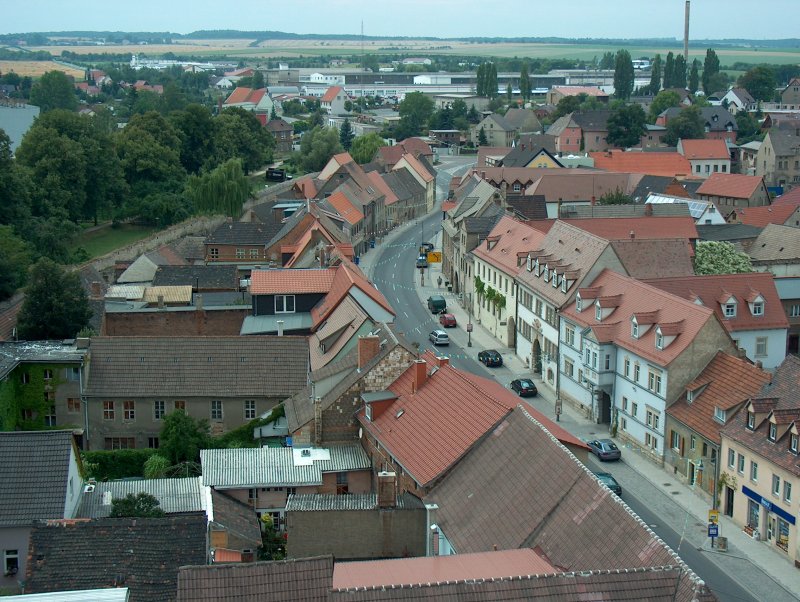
105, 240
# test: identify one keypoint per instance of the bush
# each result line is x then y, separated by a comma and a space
116, 464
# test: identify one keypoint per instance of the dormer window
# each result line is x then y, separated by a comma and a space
729, 309
598, 312
578, 304
634, 329
773, 432
793, 443
546, 273
536, 268
529, 264
720, 415
563, 284
659, 340
368, 412
555, 279
758, 308
751, 420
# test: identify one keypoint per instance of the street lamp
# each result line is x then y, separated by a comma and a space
469, 320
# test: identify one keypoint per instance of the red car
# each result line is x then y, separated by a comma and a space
447, 320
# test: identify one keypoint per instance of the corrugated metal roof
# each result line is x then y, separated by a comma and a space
129, 292
278, 467
111, 594
173, 495
269, 324
358, 501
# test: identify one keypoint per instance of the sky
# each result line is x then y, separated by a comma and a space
441, 18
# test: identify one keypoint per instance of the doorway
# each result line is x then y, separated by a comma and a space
728, 501
692, 473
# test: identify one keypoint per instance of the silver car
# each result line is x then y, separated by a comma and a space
439, 337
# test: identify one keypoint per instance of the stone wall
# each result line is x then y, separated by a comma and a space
216, 322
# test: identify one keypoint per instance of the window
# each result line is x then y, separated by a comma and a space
624, 404
634, 330
538, 307
794, 311
693, 443
720, 415
654, 381
129, 408
569, 336
651, 441
758, 309
624, 424
773, 432
751, 420
776, 485
159, 409
517, 187
216, 410
787, 491
108, 410
634, 408
249, 409
119, 443
793, 443
252, 496
25, 378
253, 253
284, 304
761, 346
636, 371
627, 366
180, 405
10, 562
675, 441
152, 442
569, 367
731, 458
48, 375
607, 362
239, 253
730, 310
28, 414
754, 471
213, 252
659, 340
73, 405
697, 168
598, 313
368, 411
740, 467
73, 374
653, 418
341, 483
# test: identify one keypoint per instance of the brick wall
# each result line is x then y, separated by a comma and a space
223, 322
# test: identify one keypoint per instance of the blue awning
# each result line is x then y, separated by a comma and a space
770, 506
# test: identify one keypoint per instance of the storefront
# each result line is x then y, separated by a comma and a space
772, 524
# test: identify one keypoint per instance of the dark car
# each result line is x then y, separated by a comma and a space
490, 357
447, 320
524, 387
422, 261
609, 481
604, 449
426, 247
437, 304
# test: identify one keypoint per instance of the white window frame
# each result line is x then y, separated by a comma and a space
740, 465
720, 415
776, 485
159, 411
249, 409
751, 420
754, 471
773, 432
761, 347
787, 491
729, 310
217, 412
793, 443
758, 308
285, 299
731, 459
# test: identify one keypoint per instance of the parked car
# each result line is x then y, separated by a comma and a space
437, 304
422, 261
607, 479
490, 357
439, 337
604, 449
447, 320
524, 387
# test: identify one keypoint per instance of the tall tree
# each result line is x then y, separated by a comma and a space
710, 69
626, 125
55, 306
480, 80
15, 187
509, 93
15, 258
669, 71
414, 110
54, 90
482, 141
182, 437
223, 190
679, 74
623, 75
608, 60
688, 124
195, 127
655, 76
694, 77
663, 101
760, 82
365, 147
317, 147
346, 135
258, 79
491, 81
239, 135
525, 83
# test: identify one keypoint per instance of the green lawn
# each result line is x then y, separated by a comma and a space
108, 239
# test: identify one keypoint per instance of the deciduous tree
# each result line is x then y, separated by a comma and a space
623, 75
317, 147
15, 258
760, 82
182, 437
688, 124
713, 257
694, 77
141, 504
655, 76
626, 125
663, 101
222, 190
364, 147
524, 83
415, 110
669, 71
54, 90
679, 74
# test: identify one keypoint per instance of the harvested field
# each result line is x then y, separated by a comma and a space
38, 68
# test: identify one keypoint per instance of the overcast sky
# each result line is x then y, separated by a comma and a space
441, 18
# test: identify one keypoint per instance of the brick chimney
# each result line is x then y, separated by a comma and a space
97, 290
443, 361
387, 489
420, 368
368, 348
648, 209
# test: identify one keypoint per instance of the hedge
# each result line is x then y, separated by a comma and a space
116, 464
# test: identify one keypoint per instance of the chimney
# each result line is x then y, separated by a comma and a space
420, 374
633, 234
443, 361
593, 201
368, 347
161, 302
280, 328
198, 302
248, 556
686, 35
648, 209
387, 495
97, 290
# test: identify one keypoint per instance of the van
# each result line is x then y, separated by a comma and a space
437, 304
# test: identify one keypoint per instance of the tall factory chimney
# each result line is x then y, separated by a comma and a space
686, 35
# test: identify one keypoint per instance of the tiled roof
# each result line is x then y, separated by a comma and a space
223, 277
705, 149
776, 243
417, 167
716, 118
654, 164
240, 233
339, 201
576, 523
348, 276
730, 185
512, 237
728, 382
240, 522
257, 366
34, 470
429, 429
639, 297
141, 270
769, 214
143, 554
439, 569
788, 198
648, 227
378, 181
709, 290
784, 141
654, 258
569, 185
277, 466
241, 95
353, 501
730, 232
784, 391
174, 495
340, 327
577, 90
169, 294
9, 310
306, 579
331, 93
296, 281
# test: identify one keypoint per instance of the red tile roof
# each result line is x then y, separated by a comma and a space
725, 382
654, 164
648, 227
730, 185
448, 205
417, 146
769, 214
639, 297
705, 149
791, 198
439, 569
271, 282
345, 208
713, 290
380, 184
417, 167
347, 276
507, 238
577, 90
242, 94
330, 94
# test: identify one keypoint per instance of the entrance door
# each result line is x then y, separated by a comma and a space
728, 501
692, 473
605, 408
772, 527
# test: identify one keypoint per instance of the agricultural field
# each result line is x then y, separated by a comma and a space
38, 68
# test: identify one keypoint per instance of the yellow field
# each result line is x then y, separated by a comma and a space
38, 68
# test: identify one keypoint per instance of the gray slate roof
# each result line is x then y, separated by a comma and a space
277, 466
358, 501
708, 115
174, 495
254, 366
242, 233
784, 142
776, 243
224, 277
727, 232
34, 469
